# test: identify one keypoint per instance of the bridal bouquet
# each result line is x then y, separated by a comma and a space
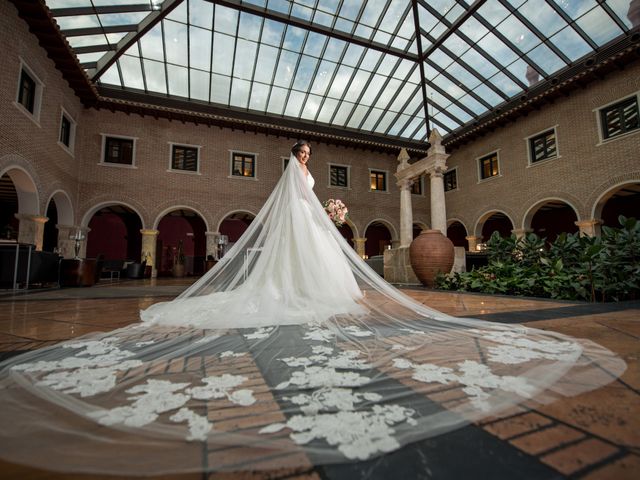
336, 210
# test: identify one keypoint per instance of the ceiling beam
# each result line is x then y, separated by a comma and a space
101, 10
305, 25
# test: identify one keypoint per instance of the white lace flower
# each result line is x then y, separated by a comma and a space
357, 331
319, 334
199, 426
259, 333
220, 387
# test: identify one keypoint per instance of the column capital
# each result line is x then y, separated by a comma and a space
33, 218
150, 232
521, 232
405, 183
212, 234
591, 222
438, 169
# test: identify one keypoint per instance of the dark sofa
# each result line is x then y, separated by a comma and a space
43, 266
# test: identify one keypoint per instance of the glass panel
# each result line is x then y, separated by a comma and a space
225, 20
258, 99
546, 59
479, 63
323, 77
175, 35
201, 14
543, 17
340, 81
505, 84
372, 118
294, 104
151, 44
357, 116
155, 76
286, 67
272, 33
200, 48
311, 107
518, 34
327, 110
276, 100
599, 26
131, 72
625, 12
244, 59
305, 73
294, 39
575, 8
222, 45
178, 80
240, 93
249, 27
220, 87
267, 57
111, 76
571, 44
199, 86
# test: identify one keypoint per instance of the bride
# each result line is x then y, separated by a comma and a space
290, 352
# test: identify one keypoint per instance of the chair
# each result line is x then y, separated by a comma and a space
113, 268
136, 270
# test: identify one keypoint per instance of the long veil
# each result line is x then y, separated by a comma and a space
290, 352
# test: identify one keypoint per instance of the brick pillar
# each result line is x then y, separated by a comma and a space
590, 228
360, 246
149, 248
31, 229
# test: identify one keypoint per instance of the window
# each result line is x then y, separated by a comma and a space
450, 180
620, 118
67, 131
543, 146
378, 180
29, 95
416, 186
27, 91
184, 158
489, 166
118, 150
243, 165
338, 176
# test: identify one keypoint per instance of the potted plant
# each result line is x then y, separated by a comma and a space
178, 261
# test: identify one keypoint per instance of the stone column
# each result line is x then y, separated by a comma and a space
520, 233
360, 246
438, 206
590, 227
149, 247
212, 244
473, 242
406, 213
31, 229
65, 244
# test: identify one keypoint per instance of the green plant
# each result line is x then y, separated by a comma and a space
573, 267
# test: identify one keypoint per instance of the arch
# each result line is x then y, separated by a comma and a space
371, 247
92, 211
26, 189
233, 212
457, 232
168, 210
604, 197
353, 227
560, 216
533, 209
386, 223
477, 229
63, 205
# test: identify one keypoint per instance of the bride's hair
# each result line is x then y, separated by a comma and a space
298, 146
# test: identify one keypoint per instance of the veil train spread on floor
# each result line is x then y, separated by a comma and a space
290, 352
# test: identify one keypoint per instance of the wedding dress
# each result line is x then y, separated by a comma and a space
290, 352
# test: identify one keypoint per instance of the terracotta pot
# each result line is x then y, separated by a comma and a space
431, 252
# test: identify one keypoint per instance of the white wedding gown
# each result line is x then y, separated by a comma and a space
291, 351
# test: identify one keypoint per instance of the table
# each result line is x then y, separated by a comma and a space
78, 272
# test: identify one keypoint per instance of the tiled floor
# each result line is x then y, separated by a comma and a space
592, 436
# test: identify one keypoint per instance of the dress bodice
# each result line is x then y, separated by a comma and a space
310, 181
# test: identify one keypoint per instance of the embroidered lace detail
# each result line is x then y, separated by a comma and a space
476, 378
319, 334
220, 387
199, 426
259, 333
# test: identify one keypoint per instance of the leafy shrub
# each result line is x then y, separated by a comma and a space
573, 267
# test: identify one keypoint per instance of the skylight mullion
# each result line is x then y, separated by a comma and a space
348, 85
401, 111
478, 75
164, 60
423, 77
211, 53
295, 70
462, 106
233, 59
100, 10
572, 24
514, 11
605, 6
449, 114
509, 44
382, 89
441, 125
188, 51
473, 45
364, 88
333, 76
144, 74
255, 65
399, 25
395, 96
275, 65
466, 89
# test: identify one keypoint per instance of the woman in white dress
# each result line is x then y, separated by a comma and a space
290, 351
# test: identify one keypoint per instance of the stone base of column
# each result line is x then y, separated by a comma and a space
397, 267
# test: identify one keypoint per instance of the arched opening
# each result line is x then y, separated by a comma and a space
417, 229
623, 200
346, 231
115, 233
8, 208
184, 228
496, 222
378, 238
50, 239
552, 218
457, 233
234, 225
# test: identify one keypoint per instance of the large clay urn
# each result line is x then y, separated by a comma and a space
431, 252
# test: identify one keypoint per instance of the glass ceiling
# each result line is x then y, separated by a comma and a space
344, 63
